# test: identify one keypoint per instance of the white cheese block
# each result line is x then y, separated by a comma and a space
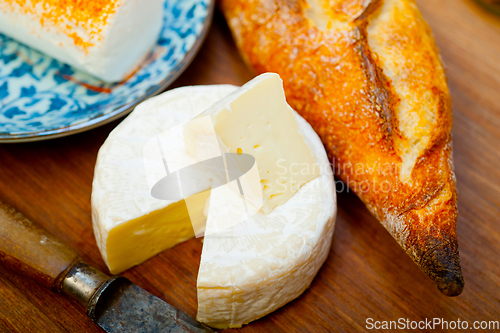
250, 268
105, 38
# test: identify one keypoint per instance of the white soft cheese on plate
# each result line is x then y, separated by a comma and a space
105, 38
250, 268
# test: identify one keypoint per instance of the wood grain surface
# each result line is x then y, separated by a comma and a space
367, 275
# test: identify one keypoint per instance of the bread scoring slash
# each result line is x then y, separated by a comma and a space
368, 77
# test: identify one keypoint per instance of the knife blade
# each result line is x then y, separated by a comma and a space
113, 303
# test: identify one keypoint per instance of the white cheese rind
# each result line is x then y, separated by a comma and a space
122, 43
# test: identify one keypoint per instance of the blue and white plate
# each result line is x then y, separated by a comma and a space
42, 98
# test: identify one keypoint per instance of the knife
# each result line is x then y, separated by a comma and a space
113, 303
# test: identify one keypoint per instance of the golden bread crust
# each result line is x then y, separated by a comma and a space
368, 77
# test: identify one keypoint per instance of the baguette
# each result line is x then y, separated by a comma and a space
367, 76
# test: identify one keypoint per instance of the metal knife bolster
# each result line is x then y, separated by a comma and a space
85, 284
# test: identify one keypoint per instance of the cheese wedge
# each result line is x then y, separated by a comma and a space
257, 266
250, 268
105, 38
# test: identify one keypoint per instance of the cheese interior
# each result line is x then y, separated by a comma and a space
260, 122
154, 232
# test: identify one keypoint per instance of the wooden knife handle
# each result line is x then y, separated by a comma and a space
30, 250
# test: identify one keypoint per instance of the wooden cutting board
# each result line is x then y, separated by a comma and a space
367, 275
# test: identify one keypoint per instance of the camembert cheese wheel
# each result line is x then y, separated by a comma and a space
250, 268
